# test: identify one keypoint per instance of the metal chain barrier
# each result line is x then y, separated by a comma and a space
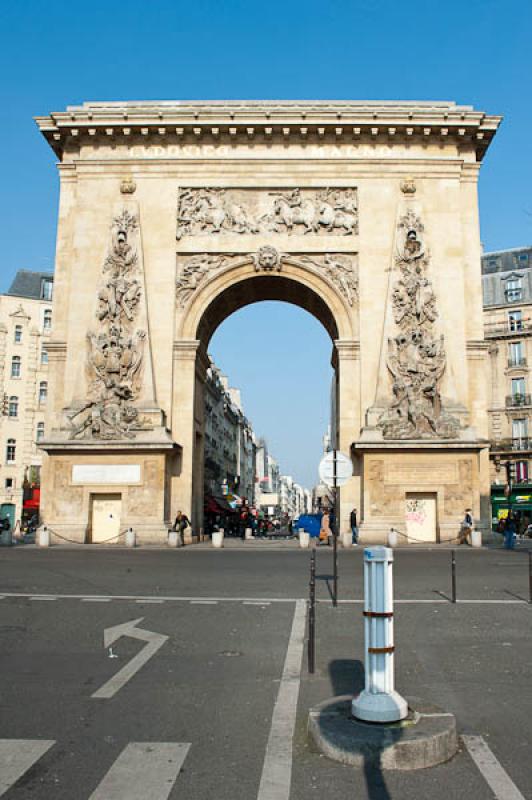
424, 541
74, 541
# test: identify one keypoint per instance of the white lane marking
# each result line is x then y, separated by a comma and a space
277, 768
44, 597
17, 756
258, 600
255, 603
491, 769
175, 598
143, 771
95, 599
110, 636
495, 602
151, 600
203, 602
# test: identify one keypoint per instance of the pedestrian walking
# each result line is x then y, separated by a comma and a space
181, 523
325, 529
354, 526
510, 531
466, 527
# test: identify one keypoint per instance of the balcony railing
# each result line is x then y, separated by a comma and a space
515, 400
515, 328
520, 443
517, 361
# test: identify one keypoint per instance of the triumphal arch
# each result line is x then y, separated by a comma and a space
173, 215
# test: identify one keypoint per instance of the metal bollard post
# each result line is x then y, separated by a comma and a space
312, 614
530, 576
379, 702
453, 576
335, 568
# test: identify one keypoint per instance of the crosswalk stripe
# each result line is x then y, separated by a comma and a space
17, 756
491, 769
143, 770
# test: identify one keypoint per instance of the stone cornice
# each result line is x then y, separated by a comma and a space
288, 120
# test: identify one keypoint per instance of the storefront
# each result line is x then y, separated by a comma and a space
518, 501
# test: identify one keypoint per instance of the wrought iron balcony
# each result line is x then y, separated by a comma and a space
515, 400
520, 444
517, 361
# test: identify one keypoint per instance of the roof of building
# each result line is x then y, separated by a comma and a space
507, 260
28, 283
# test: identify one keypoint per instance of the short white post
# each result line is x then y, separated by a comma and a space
218, 538
130, 538
44, 537
173, 538
249, 533
304, 538
379, 702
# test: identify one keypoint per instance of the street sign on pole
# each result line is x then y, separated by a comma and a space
344, 469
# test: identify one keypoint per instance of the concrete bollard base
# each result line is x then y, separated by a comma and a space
425, 738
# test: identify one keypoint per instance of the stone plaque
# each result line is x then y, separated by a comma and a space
422, 472
105, 473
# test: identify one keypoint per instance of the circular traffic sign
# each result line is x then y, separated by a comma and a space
344, 468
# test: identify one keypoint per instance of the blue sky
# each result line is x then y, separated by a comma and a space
58, 53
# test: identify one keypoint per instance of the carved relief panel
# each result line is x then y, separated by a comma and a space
116, 348
416, 358
340, 269
250, 211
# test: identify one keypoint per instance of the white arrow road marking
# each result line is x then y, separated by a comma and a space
17, 756
143, 771
491, 769
110, 636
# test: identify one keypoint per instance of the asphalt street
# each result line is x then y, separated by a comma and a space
207, 714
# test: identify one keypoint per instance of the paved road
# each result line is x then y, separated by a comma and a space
202, 718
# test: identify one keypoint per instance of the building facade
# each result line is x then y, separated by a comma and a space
229, 441
507, 294
25, 329
174, 215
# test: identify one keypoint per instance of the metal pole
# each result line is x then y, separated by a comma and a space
453, 575
312, 614
530, 576
335, 535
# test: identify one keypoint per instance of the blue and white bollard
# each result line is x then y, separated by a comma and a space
379, 702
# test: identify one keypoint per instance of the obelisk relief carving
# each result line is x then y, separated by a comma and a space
416, 359
118, 366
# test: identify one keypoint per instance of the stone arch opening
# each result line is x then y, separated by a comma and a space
264, 287
220, 297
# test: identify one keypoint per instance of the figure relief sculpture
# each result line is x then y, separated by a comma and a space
194, 270
340, 270
116, 350
210, 210
416, 356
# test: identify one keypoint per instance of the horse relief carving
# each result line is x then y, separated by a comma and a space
116, 351
301, 211
416, 356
